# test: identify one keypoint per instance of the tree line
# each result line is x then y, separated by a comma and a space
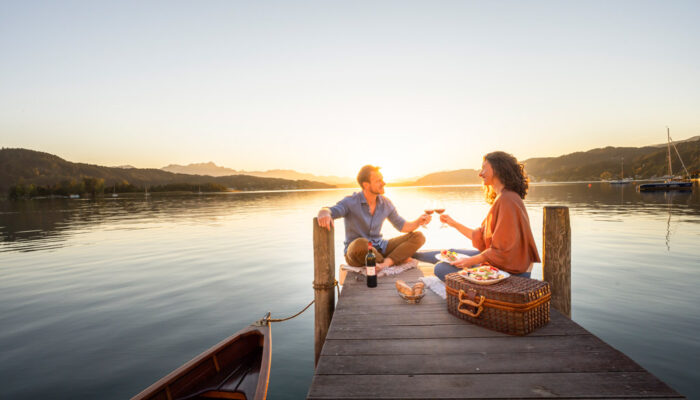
89, 186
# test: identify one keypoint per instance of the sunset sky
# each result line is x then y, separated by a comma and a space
327, 86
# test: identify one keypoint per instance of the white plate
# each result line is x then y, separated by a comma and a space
442, 258
463, 274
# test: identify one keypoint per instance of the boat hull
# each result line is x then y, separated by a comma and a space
669, 186
236, 368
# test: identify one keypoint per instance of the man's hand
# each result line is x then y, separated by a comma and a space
424, 219
324, 219
413, 225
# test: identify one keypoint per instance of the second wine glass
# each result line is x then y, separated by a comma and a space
439, 209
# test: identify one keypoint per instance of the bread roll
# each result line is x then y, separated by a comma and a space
403, 288
418, 288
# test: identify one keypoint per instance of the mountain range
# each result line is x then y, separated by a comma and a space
649, 162
212, 169
28, 167
603, 163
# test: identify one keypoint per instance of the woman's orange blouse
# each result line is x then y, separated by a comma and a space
505, 237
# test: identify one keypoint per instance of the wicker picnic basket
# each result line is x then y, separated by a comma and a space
516, 306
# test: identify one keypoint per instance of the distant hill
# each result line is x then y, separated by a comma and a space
44, 169
212, 169
458, 177
692, 139
603, 163
209, 168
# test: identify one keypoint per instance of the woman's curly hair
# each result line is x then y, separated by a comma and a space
509, 171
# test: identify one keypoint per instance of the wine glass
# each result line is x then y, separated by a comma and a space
439, 209
429, 209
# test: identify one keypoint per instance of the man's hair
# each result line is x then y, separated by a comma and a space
365, 172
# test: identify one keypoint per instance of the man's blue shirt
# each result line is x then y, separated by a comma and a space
360, 223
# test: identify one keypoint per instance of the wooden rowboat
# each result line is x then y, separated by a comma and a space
236, 368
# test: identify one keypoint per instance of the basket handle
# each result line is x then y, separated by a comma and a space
463, 301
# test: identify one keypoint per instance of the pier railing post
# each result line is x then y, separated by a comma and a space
556, 254
324, 279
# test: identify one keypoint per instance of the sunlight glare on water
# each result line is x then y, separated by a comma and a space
102, 298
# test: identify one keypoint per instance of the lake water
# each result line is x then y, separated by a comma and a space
99, 299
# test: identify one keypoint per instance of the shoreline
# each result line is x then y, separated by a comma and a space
235, 191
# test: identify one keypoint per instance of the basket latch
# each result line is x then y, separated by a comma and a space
468, 299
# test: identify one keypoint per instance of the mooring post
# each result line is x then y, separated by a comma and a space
556, 254
324, 279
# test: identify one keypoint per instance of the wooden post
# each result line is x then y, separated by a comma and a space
556, 254
324, 278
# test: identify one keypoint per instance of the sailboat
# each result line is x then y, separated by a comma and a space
622, 180
114, 191
146, 194
670, 183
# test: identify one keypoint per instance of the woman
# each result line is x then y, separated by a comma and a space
504, 239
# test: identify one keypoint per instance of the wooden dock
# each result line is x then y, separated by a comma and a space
379, 347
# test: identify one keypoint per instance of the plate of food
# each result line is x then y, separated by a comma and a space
449, 256
483, 275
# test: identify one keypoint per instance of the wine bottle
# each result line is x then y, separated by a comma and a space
370, 262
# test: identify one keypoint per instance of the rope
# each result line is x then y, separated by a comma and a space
319, 286
293, 316
315, 286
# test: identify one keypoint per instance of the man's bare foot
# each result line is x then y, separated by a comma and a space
388, 262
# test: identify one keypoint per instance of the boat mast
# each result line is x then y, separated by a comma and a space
679, 158
668, 135
622, 168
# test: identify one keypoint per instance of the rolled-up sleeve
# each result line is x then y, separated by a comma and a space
340, 210
395, 219
505, 235
478, 238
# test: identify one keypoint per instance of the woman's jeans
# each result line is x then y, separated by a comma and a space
442, 268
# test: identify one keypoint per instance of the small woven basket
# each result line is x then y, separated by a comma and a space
412, 299
516, 306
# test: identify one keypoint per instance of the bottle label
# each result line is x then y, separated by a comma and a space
371, 271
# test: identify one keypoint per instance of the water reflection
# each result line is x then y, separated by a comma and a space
121, 291
40, 224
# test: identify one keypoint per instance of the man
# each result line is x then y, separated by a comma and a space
364, 214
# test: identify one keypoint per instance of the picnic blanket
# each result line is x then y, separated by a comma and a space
393, 270
435, 284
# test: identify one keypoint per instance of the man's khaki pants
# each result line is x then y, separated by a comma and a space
399, 249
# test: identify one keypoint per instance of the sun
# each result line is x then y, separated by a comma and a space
391, 171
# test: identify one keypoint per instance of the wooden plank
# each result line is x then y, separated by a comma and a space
490, 386
414, 318
559, 325
396, 303
465, 346
477, 363
380, 347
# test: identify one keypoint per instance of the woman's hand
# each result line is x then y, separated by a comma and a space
446, 219
464, 262
469, 261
